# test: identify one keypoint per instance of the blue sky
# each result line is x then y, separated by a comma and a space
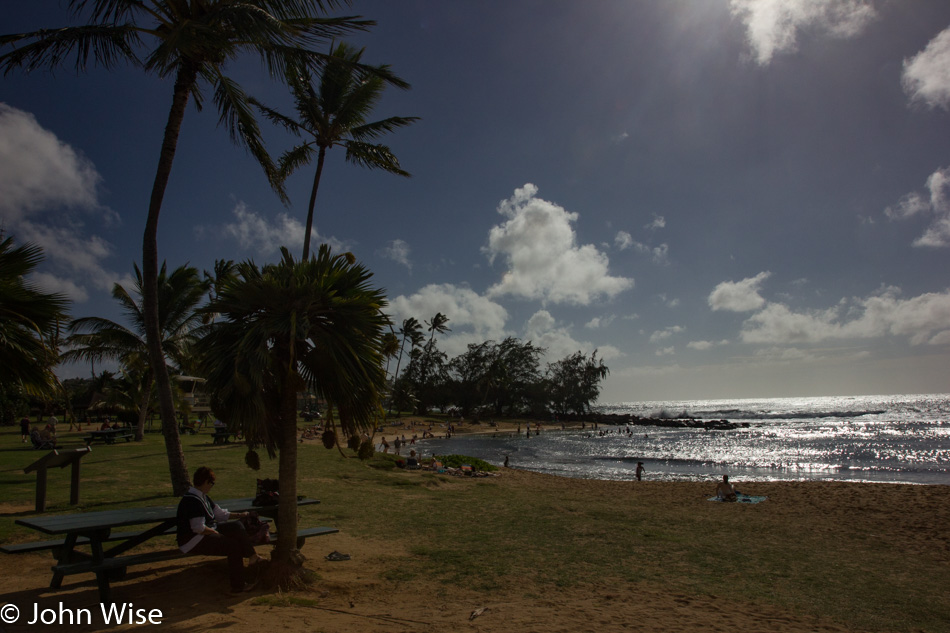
733, 198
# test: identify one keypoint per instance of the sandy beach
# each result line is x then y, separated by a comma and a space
354, 595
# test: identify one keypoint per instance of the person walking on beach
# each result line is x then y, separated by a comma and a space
640, 470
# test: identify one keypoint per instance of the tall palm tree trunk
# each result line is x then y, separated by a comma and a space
321, 156
184, 82
143, 412
284, 553
396, 375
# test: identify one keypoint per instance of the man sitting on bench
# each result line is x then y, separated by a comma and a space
205, 529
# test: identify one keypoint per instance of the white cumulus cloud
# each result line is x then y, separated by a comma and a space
926, 77
773, 26
473, 318
39, 172
924, 320
265, 236
48, 191
739, 296
543, 330
539, 247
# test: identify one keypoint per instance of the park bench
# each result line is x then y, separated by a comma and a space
95, 529
116, 567
221, 436
109, 436
55, 544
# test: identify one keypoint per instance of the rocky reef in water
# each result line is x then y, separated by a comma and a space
620, 419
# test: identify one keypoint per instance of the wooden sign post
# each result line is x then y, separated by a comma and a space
53, 459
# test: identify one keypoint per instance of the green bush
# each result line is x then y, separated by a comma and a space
456, 461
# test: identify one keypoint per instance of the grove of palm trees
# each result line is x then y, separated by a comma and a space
268, 332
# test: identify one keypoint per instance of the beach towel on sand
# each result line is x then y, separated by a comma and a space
741, 498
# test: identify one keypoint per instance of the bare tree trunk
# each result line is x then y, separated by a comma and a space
286, 551
143, 413
184, 82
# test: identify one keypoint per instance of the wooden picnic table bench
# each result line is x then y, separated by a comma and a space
109, 436
95, 529
221, 436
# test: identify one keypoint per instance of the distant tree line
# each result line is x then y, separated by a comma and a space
491, 379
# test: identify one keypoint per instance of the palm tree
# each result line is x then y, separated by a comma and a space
95, 338
411, 330
29, 322
437, 324
192, 41
336, 114
284, 328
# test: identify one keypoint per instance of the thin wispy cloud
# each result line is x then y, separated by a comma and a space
255, 232
666, 333
397, 251
935, 205
658, 222
659, 254
706, 345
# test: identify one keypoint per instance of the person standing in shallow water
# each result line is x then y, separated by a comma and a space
640, 471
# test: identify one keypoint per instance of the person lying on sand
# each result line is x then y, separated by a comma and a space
725, 490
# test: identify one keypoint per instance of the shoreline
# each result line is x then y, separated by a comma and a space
511, 430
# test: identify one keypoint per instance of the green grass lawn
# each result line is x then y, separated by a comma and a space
492, 534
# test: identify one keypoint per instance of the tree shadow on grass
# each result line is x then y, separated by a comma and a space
182, 590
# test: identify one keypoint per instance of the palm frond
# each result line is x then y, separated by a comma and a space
374, 157
376, 129
106, 44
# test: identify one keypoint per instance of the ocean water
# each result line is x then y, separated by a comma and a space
896, 439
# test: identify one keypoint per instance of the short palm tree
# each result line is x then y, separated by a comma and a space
192, 41
29, 322
96, 338
336, 114
285, 328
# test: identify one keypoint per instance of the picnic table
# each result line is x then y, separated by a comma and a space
109, 436
221, 436
95, 530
